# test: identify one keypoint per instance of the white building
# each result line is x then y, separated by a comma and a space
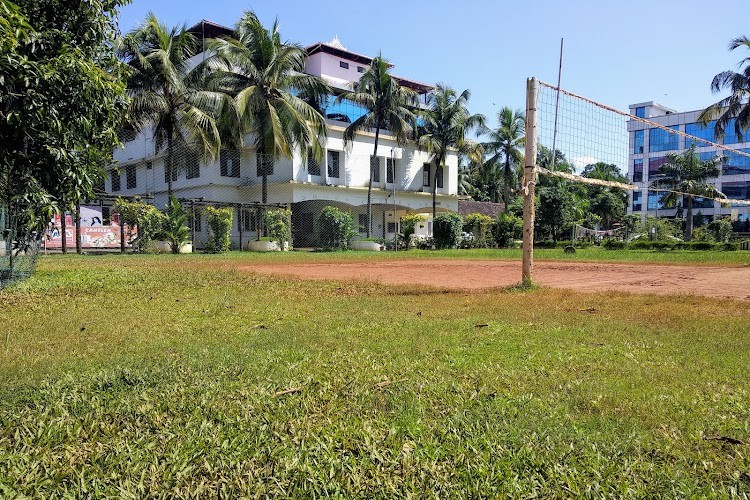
648, 151
402, 177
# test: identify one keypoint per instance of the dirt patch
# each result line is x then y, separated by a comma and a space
720, 282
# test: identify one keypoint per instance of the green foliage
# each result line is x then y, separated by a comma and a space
721, 229
278, 226
504, 149
336, 228
555, 211
174, 228
702, 234
62, 97
666, 229
446, 229
144, 219
408, 227
219, 228
480, 227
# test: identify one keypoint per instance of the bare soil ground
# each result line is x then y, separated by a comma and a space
718, 282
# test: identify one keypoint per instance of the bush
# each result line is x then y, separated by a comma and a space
652, 245
508, 228
446, 229
611, 244
219, 222
336, 228
408, 227
278, 226
426, 244
480, 227
728, 247
174, 228
143, 219
721, 229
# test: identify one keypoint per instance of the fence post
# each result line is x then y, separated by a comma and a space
529, 180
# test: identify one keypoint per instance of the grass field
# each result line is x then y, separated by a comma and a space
179, 376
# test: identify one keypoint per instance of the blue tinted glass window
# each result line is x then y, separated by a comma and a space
636, 201
652, 200
640, 112
730, 136
662, 140
736, 190
701, 132
638, 141
735, 163
637, 170
702, 203
344, 111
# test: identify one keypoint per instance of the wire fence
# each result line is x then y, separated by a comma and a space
19, 247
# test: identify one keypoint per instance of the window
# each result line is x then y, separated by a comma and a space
702, 132
343, 64
106, 216
313, 165
390, 169
130, 178
426, 175
115, 180
640, 112
375, 168
636, 201
654, 164
247, 220
192, 170
660, 139
333, 164
730, 136
638, 141
229, 161
126, 134
392, 227
439, 175
174, 170
360, 69
654, 199
637, 170
362, 223
263, 165
734, 163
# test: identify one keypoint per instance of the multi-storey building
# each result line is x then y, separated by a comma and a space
649, 147
402, 173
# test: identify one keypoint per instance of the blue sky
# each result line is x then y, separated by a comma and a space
616, 52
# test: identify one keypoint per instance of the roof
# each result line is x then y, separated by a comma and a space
467, 207
206, 29
338, 50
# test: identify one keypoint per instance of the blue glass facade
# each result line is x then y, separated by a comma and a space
662, 140
737, 190
735, 163
700, 131
638, 141
637, 201
730, 137
637, 170
344, 111
653, 198
640, 112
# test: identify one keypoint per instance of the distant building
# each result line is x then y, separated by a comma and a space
648, 152
403, 175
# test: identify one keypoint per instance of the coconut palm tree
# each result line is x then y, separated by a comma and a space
168, 95
686, 173
505, 143
388, 108
446, 122
272, 95
737, 104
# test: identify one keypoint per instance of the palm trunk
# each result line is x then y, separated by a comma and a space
63, 229
169, 165
506, 188
369, 184
78, 226
438, 162
689, 222
264, 187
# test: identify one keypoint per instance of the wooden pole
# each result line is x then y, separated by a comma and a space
529, 180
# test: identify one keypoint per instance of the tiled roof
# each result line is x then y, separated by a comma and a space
466, 207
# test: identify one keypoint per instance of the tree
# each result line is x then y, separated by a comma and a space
446, 122
504, 144
736, 105
272, 94
556, 210
610, 204
168, 95
388, 108
686, 173
174, 226
62, 97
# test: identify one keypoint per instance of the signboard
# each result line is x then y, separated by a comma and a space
98, 229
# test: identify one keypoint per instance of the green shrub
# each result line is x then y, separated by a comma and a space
174, 228
508, 228
408, 227
642, 244
721, 229
480, 227
446, 229
728, 247
278, 226
219, 221
336, 228
145, 220
611, 244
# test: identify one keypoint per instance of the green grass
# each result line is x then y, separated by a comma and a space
156, 375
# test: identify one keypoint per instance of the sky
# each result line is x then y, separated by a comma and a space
616, 52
